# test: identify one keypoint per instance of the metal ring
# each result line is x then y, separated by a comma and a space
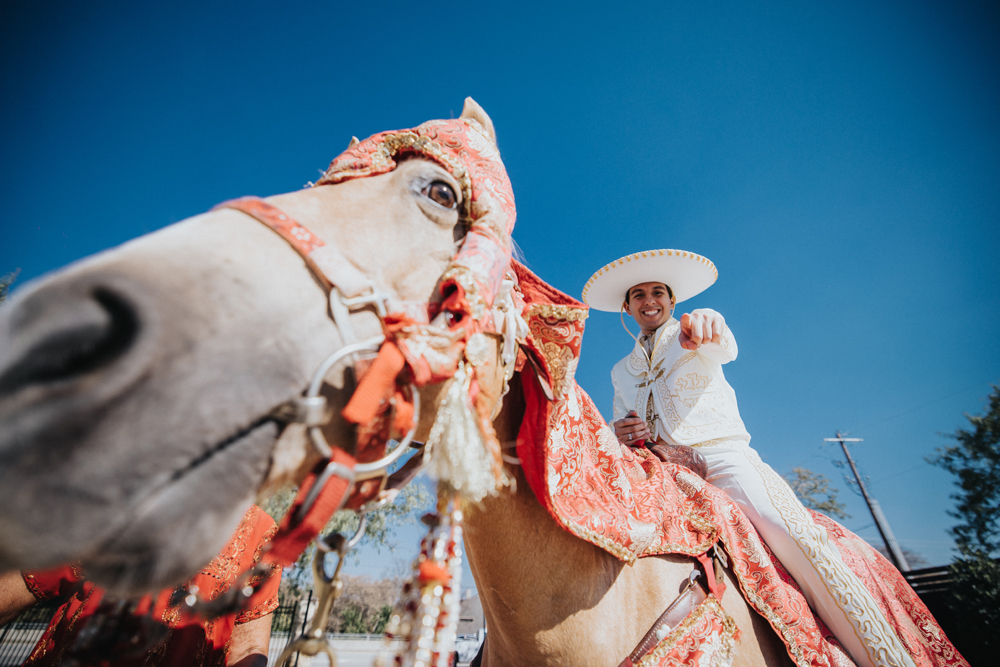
630, 437
315, 432
370, 345
362, 471
362, 524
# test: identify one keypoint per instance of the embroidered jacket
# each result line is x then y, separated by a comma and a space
691, 401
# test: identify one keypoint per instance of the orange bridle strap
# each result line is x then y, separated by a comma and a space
313, 508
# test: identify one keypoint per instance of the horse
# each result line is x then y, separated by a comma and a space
141, 391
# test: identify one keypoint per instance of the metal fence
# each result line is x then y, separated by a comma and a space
18, 637
288, 622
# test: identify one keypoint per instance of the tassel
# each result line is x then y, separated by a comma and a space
459, 456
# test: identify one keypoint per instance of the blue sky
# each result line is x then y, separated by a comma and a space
839, 162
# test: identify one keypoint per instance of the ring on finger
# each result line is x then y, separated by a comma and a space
630, 437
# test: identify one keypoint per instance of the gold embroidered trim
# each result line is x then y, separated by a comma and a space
463, 277
650, 253
554, 312
727, 637
390, 146
765, 610
855, 601
630, 557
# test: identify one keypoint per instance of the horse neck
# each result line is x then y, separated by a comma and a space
531, 573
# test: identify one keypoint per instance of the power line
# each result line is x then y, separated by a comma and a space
891, 546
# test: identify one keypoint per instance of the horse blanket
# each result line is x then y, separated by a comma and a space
628, 503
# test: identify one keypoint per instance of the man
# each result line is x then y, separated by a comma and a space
84, 631
671, 394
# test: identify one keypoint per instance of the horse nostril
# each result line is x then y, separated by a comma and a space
62, 336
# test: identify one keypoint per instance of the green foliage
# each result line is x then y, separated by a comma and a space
975, 591
382, 620
815, 492
5, 283
975, 601
354, 621
975, 460
297, 579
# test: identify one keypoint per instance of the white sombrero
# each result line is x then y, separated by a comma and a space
686, 273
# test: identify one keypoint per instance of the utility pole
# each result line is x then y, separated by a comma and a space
895, 553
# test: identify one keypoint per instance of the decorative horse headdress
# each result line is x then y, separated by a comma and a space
471, 286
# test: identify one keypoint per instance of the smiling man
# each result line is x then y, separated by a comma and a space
672, 397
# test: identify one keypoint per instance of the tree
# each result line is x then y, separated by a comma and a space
5, 283
975, 593
815, 492
365, 606
975, 460
297, 579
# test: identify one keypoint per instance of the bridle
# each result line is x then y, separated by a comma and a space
332, 481
412, 352
349, 290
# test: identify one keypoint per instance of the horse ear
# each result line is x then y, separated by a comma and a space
474, 111
354, 142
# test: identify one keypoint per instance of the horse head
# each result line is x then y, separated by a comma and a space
144, 391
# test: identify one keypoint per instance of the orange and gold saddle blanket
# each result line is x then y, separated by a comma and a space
628, 503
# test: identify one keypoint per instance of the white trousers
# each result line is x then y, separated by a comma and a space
802, 546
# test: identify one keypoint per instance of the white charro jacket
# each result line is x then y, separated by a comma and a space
692, 402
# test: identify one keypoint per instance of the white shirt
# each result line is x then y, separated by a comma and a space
692, 402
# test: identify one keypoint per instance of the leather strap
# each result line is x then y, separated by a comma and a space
715, 578
324, 260
295, 533
685, 603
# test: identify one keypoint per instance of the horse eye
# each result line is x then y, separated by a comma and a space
441, 193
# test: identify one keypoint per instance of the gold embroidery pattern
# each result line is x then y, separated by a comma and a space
48, 644
225, 567
638, 360
715, 443
610, 496
559, 343
555, 312
577, 436
157, 653
649, 253
463, 277
884, 648
391, 145
705, 638
692, 406
755, 551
